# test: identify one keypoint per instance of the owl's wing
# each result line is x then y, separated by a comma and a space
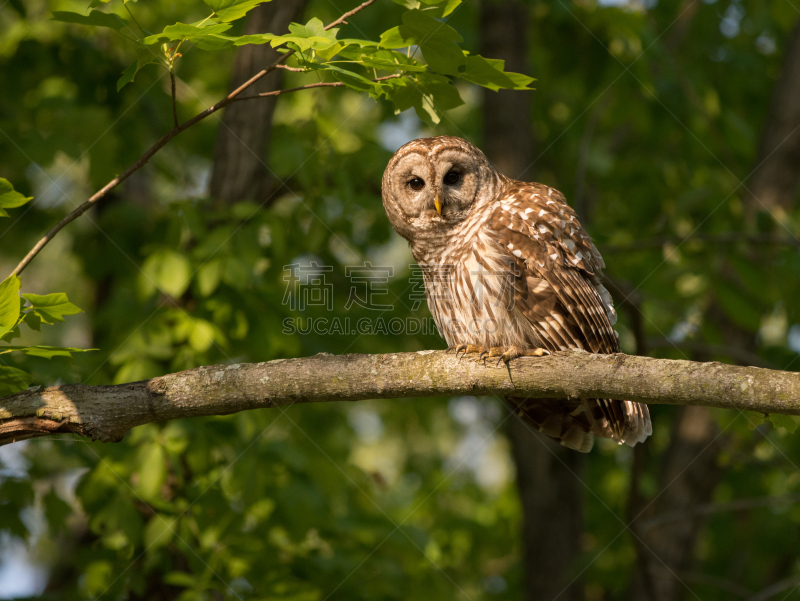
559, 269
558, 291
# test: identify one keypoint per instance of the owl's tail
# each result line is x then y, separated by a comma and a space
624, 421
574, 424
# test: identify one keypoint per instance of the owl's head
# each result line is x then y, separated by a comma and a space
432, 184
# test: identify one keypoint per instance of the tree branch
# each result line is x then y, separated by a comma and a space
106, 412
174, 99
321, 84
162, 141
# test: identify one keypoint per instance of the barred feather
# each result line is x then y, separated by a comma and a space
512, 268
550, 267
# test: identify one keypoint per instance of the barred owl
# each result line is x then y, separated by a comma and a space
509, 272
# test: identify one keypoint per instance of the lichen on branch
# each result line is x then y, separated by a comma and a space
106, 413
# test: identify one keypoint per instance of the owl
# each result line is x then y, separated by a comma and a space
508, 272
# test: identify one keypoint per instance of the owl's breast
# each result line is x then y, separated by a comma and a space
470, 287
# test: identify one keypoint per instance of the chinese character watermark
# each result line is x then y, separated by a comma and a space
306, 286
372, 282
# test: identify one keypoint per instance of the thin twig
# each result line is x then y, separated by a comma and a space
293, 69
321, 84
162, 141
343, 19
174, 101
130, 12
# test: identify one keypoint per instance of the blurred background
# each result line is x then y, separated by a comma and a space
672, 128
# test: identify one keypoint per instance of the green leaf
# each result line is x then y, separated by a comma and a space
395, 38
314, 30
489, 73
96, 18
159, 532
15, 494
374, 58
259, 38
47, 352
328, 53
349, 78
11, 334
168, 271
310, 36
754, 419
9, 304
127, 75
152, 471
51, 307
33, 321
181, 579
179, 31
443, 57
208, 37
430, 95
97, 577
436, 40
784, 421
209, 276
9, 198
146, 57
136, 370
442, 9
201, 335
230, 10
13, 380
409, 4
57, 511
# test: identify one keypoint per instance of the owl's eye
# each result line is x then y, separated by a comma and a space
417, 183
452, 177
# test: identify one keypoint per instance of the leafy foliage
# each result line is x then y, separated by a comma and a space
426, 86
14, 311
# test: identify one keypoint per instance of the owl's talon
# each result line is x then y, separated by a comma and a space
504, 358
512, 353
464, 349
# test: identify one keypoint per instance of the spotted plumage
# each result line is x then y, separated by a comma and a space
508, 269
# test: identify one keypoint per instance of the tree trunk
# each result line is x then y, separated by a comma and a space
240, 156
774, 182
689, 474
550, 493
507, 130
552, 503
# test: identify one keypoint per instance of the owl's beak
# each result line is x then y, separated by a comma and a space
438, 204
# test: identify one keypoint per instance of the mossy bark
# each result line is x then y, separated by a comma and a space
107, 412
